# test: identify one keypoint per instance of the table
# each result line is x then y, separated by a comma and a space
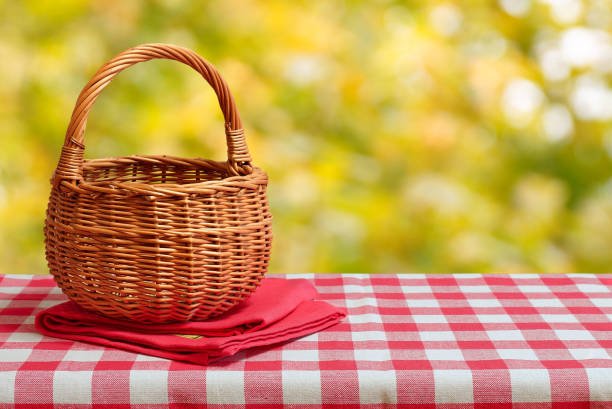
410, 341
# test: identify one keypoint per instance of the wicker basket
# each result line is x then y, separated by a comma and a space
157, 238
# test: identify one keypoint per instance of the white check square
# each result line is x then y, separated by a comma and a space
600, 384
49, 303
378, 355
14, 355
589, 353
546, 302
453, 386
429, 319
533, 288
10, 290
301, 355
437, 336
360, 302
358, 289
474, 288
7, 391
368, 336
430, 303
574, 335
83, 356
20, 277
519, 354
299, 387
72, 387
530, 385
25, 337
494, 318
364, 318
377, 387
505, 335
221, 387
444, 355
416, 289
148, 387
593, 288
602, 302
30, 320
484, 303
559, 318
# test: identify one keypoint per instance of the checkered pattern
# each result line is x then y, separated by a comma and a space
410, 341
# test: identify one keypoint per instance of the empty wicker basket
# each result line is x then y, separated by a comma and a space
157, 238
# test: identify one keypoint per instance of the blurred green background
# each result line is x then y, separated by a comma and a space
398, 136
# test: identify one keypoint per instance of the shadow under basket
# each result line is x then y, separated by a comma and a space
157, 239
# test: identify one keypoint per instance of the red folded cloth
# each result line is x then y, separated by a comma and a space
279, 310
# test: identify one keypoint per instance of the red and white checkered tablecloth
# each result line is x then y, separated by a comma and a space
409, 341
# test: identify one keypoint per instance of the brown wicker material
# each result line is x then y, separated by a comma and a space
157, 238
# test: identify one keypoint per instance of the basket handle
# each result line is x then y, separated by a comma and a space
70, 165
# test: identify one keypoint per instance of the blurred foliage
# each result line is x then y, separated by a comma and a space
398, 136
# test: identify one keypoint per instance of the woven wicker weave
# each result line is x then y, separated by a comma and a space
157, 238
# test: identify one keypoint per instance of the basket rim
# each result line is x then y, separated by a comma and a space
156, 159
228, 184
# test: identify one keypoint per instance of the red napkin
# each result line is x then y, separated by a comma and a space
279, 310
